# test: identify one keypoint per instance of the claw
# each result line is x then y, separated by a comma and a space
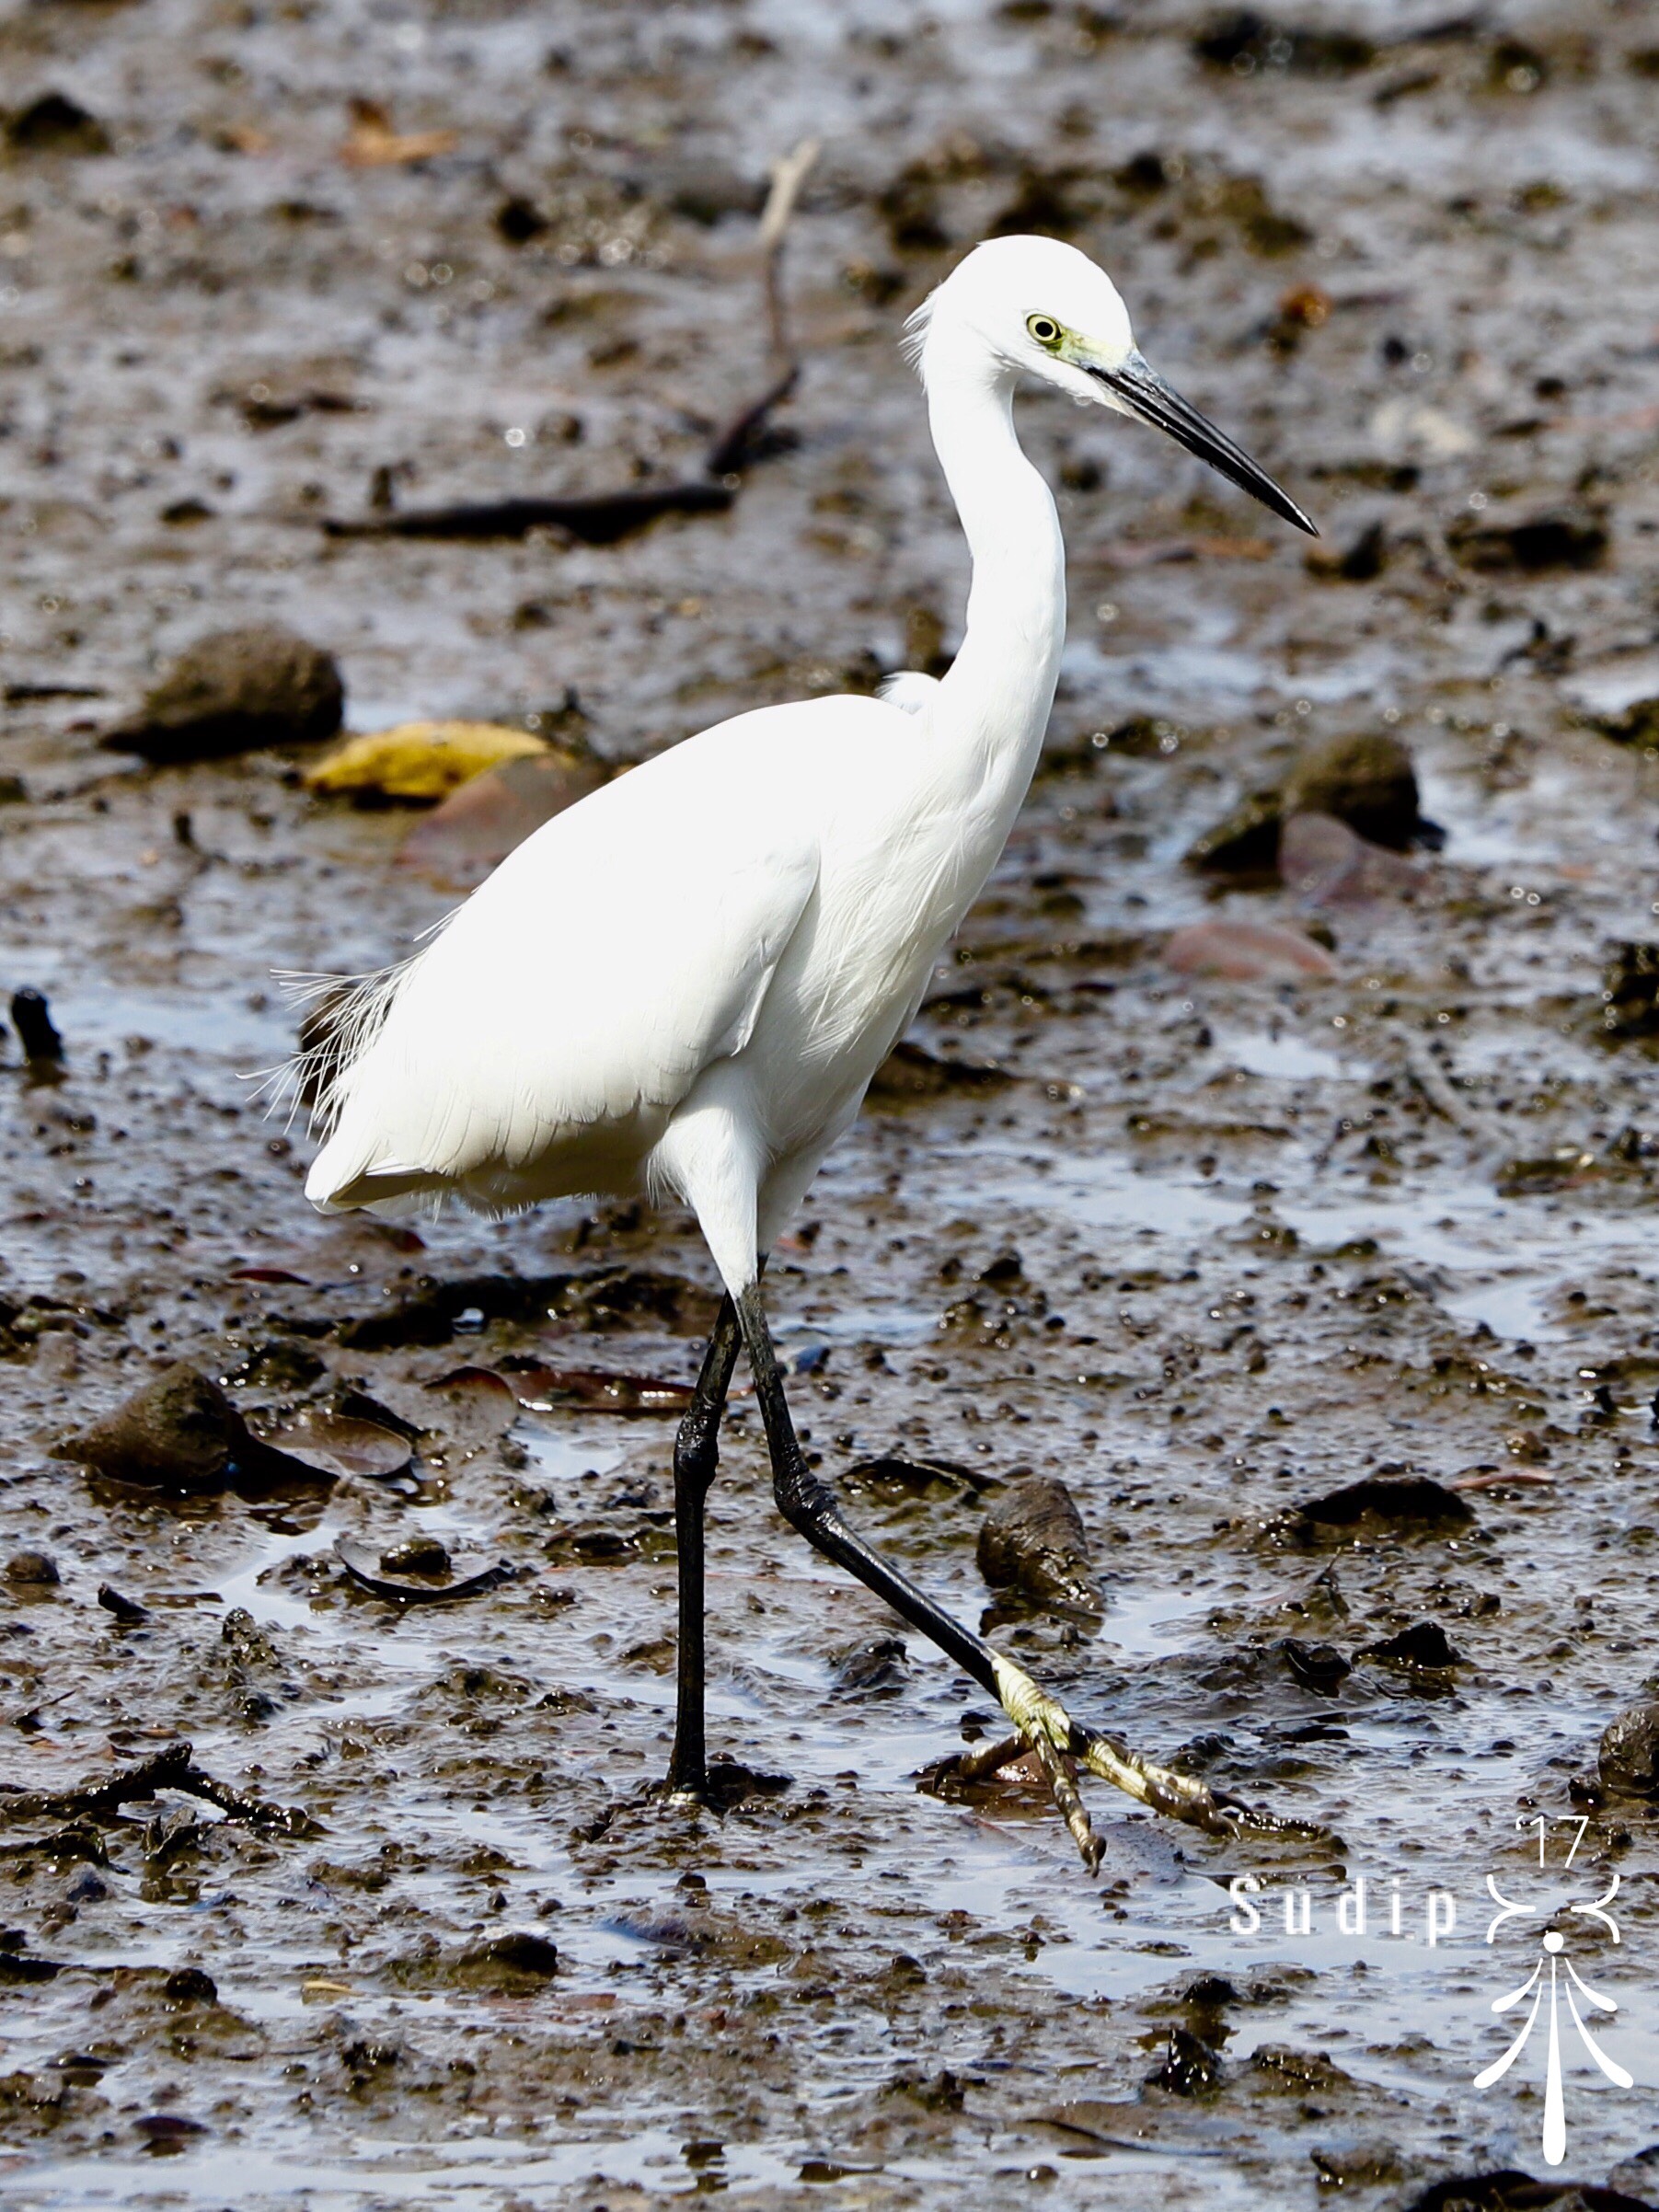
1058, 1741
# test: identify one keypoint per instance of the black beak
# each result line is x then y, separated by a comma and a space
1145, 395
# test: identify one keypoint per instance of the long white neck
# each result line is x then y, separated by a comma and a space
994, 705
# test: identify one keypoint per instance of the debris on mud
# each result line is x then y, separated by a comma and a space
1384, 1501
415, 1586
179, 1432
1240, 951
1367, 781
911, 1074
1630, 990
1032, 1542
419, 762
235, 691
1555, 537
490, 815
1628, 1757
1322, 863
37, 1032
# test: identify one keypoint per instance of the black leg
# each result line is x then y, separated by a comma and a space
695, 1457
1046, 1727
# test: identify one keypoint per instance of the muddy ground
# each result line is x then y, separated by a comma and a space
1209, 1249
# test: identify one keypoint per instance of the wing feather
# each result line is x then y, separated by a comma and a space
613, 956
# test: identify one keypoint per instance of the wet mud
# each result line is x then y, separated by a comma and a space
1314, 1257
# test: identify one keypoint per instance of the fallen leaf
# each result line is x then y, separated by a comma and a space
373, 143
1239, 952
419, 760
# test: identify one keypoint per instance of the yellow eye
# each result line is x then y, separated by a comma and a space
1043, 329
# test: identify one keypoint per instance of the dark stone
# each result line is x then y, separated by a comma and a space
38, 1570
127, 1611
1399, 1500
1638, 725
1317, 1666
910, 1075
880, 1665
31, 1018
55, 124
1423, 1645
181, 1432
233, 692
1366, 781
420, 1555
508, 1962
189, 1986
1189, 2067
1556, 537
1628, 1759
1033, 1541
519, 220
1246, 841
1630, 990
1244, 43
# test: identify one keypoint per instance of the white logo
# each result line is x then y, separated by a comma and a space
1551, 1955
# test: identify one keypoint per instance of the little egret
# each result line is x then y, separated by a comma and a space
683, 985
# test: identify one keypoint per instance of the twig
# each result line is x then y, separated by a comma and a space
171, 1769
1439, 1094
603, 518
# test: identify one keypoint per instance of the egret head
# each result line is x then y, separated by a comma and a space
1038, 307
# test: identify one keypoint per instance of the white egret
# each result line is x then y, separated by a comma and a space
683, 985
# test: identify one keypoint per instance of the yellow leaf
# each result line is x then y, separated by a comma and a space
419, 760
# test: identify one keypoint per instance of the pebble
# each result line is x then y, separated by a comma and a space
1034, 1541
36, 1569
1628, 1755
234, 692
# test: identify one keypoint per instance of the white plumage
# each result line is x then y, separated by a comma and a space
685, 984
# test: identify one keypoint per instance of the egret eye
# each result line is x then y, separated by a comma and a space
1043, 327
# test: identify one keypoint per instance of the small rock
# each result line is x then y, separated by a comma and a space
910, 1075
1247, 952
1189, 2067
53, 123
1367, 781
1317, 1666
510, 1964
127, 1611
1401, 1500
1325, 864
880, 1665
1361, 561
1572, 536
179, 1431
35, 1570
1630, 990
1637, 724
420, 1555
1033, 1541
189, 1986
1628, 1759
1244, 842
233, 692
419, 761
167, 2128
1424, 1646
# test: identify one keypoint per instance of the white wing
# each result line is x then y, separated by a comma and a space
609, 959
